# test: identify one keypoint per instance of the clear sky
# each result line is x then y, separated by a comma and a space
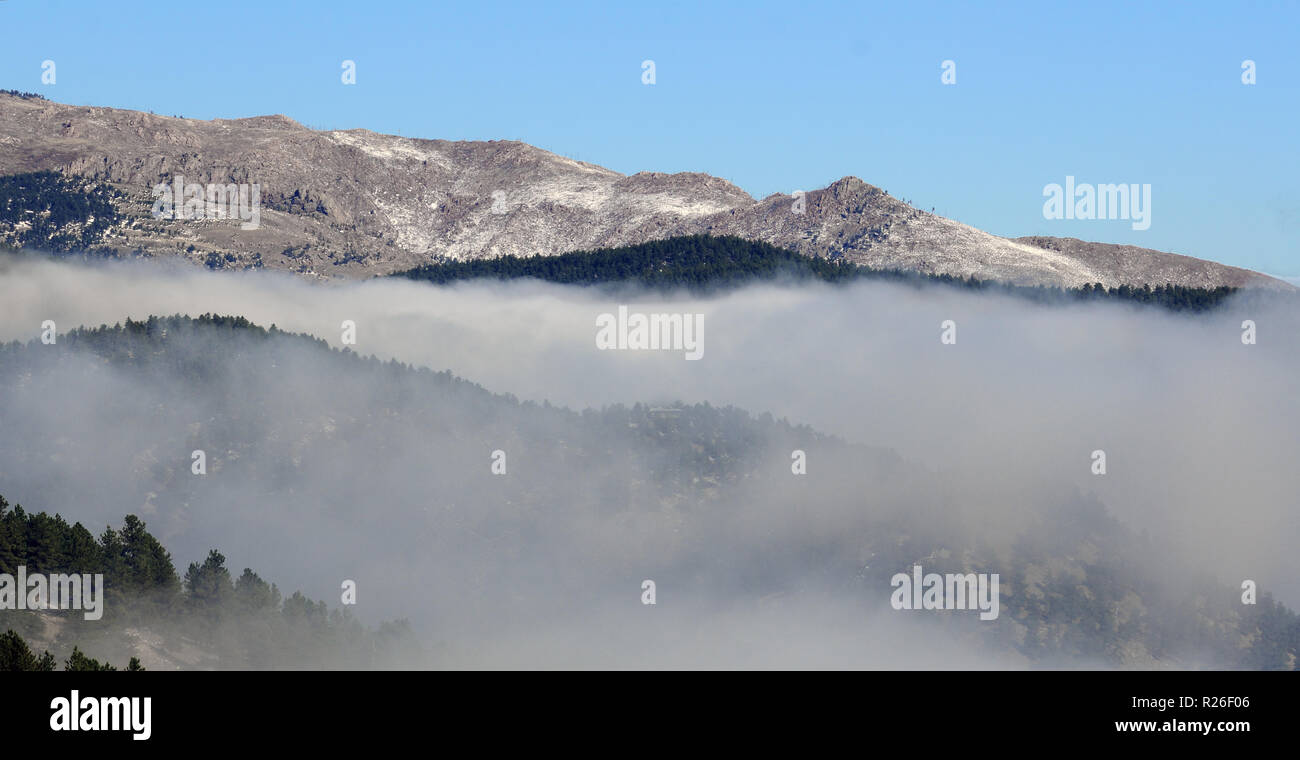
773, 96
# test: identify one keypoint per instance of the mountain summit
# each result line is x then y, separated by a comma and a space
355, 203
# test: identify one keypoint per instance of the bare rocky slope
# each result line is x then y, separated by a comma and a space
355, 203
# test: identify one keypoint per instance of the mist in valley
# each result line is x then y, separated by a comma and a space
324, 467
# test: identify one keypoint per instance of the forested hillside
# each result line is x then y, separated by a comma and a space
705, 264
51, 212
227, 621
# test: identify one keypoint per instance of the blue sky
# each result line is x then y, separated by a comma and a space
773, 96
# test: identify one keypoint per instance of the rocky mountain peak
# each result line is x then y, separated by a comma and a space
356, 203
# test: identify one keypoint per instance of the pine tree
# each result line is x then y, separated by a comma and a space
16, 655
79, 662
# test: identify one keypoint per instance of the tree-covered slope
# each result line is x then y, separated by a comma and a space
705, 264
48, 211
208, 618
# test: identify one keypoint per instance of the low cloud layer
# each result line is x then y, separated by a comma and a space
1199, 432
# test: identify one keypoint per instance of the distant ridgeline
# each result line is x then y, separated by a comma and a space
48, 211
702, 264
141, 588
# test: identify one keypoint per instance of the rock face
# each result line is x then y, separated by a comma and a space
355, 203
